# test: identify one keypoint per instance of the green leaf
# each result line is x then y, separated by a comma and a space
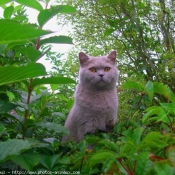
33, 4
2, 48
22, 32
171, 95
164, 168
6, 106
3, 2
8, 12
153, 140
133, 85
10, 74
10, 95
150, 89
108, 163
30, 52
14, 147
109, 31
16, 117
52, 80
111, 145
2, 128
83, 147
171, 155
70, 104
129, 150
162, 89
13, 44
137, 135
58, 128
57, 40
50, 161
143, 165
100, 157
46, 14
27, 160
154, 111
168, 106
153, 136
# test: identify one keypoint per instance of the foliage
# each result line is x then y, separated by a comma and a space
34, 103
142, 33
29, 117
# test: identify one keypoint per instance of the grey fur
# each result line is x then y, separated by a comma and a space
96, 100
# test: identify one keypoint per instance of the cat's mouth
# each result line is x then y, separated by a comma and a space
102, 81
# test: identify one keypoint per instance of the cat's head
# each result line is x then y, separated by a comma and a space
98, 72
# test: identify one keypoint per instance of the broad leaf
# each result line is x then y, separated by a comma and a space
137, 135
58, 128
27, 160
14, 147
2, 128
110, 145
168, 106
6, 106
108, 163
153, 136
13, 44
3, 2
46, 14
52, 80
100, 157
154, 111
2, 48
8, 12
30, 52
13, 31
129, 150
16, 117
109, 31
143, 164
50, 161
171, 155
164, 168
57, 40
150, 89
133, 85
11, 74
33, 4
10, 95
162, 89
153, 140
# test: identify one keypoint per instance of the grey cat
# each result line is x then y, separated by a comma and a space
96, 100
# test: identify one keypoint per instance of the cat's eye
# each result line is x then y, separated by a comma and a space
107, 69
93, 69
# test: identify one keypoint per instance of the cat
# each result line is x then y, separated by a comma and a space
96, 100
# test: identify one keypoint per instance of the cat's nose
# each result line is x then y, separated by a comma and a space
101, 75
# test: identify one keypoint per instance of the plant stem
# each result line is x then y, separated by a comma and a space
120, 161
82, 160
26, 114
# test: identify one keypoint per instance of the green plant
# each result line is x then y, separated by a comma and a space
32, 114
27, 108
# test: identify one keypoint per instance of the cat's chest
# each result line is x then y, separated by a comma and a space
97, 101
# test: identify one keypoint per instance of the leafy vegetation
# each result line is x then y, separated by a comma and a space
34, 103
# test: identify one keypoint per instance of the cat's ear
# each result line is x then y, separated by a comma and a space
112, 56
83, 58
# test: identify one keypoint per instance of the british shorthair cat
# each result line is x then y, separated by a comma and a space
96, 101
